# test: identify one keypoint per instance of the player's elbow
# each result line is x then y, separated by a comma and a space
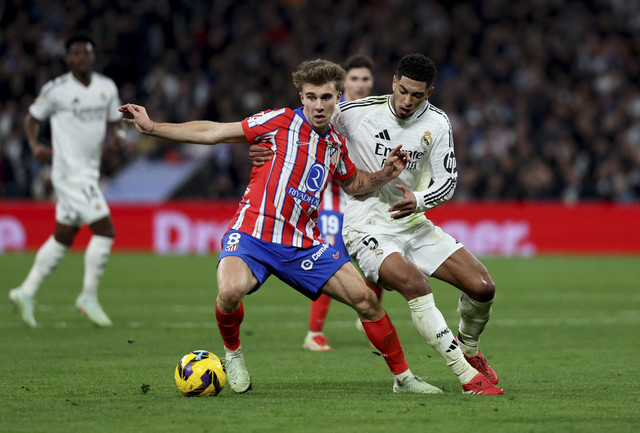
29, 121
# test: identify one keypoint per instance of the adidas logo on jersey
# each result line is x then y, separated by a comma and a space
383, 135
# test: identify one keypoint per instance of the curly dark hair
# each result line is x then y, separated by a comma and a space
79, 37
417, 67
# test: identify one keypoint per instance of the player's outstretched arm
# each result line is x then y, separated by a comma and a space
363, 182
199, 131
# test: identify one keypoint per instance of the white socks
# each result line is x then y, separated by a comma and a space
95, 259
430, 323
474, 316
52, 251
47, 259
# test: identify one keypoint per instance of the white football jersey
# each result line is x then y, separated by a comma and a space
79, 116
372, 131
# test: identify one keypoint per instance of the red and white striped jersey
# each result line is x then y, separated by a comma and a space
334, 198
280, 204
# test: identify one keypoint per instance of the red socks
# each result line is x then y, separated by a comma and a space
384, 337
229, 326
319, 309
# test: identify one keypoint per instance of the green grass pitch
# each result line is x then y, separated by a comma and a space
563, 339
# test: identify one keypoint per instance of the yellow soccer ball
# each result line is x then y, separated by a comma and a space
200, 373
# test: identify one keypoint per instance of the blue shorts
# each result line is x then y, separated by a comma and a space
304, 269
330, 225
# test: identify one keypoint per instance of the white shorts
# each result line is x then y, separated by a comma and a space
79, 203
425, 245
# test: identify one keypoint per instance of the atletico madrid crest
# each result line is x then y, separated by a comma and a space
335, 155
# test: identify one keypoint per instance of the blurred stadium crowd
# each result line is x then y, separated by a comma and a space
543, 95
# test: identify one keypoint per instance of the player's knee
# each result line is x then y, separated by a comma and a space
483, 290
366, 304
111, 233
103, 227
231, 291
228, 300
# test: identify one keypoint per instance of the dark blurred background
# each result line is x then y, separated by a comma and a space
543, 96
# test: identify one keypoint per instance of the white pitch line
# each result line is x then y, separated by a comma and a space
626, 317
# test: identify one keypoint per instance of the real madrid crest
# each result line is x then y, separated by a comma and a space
426, 138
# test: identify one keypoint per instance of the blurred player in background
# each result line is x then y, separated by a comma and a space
80, 104
273, 231
357, 85
387, 232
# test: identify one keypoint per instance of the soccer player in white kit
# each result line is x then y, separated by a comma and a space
80, 105
387, 232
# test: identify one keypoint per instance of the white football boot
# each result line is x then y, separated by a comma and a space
415, 385
23, 304
237, 373
93, 311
